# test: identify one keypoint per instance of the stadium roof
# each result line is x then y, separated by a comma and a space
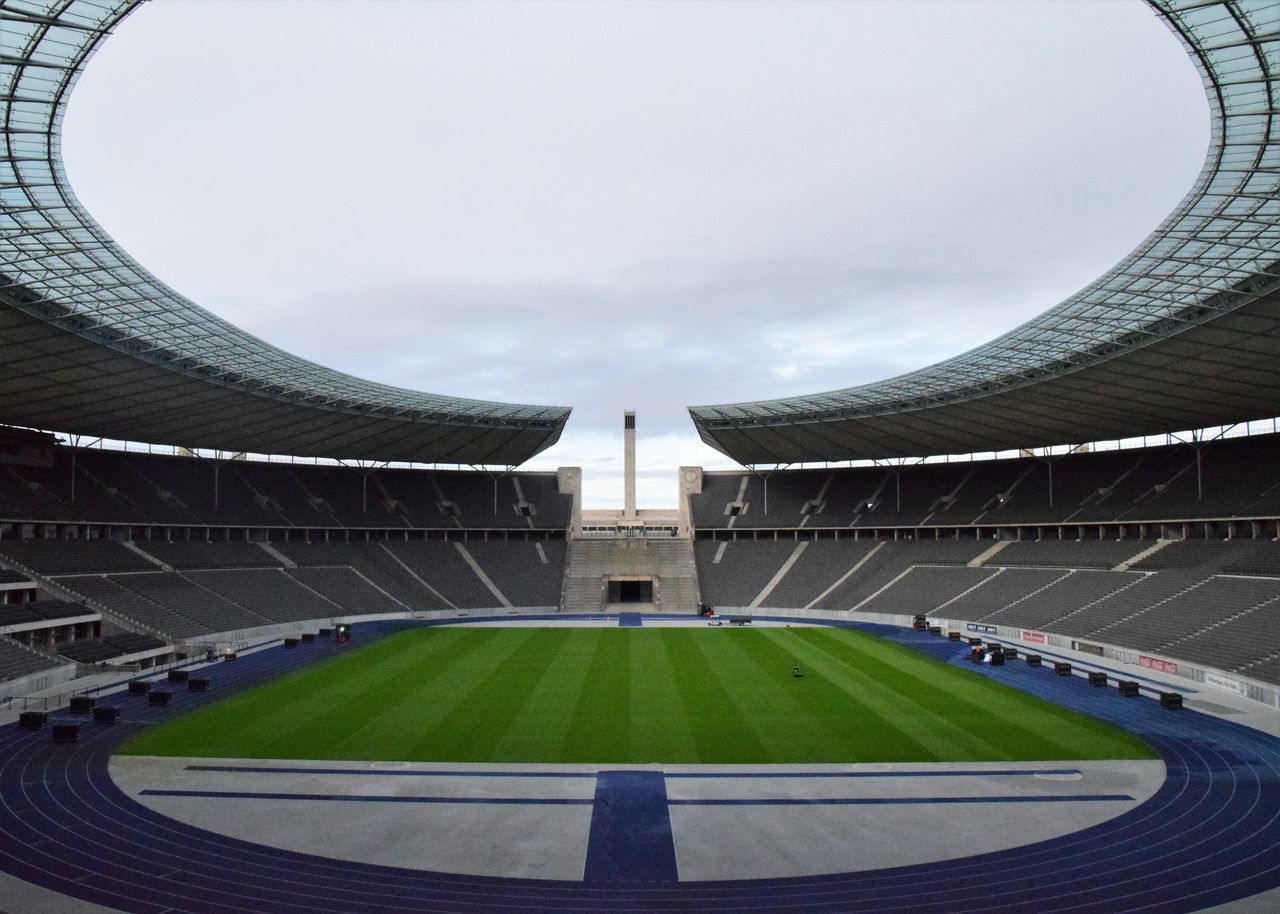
1184, 333
91, 343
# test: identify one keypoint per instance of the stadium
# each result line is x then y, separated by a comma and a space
390, 670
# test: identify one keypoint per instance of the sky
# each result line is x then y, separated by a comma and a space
633, 205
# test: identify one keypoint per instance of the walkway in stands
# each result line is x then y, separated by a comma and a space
1211, 834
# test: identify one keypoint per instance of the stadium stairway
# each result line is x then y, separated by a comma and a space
668, 561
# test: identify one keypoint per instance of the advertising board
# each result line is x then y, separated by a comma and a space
1223, 682
1155, 663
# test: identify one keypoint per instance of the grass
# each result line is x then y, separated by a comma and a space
609, 695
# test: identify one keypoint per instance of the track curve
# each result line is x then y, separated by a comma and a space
1209, 835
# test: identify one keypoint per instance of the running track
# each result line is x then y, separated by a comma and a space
1209, 835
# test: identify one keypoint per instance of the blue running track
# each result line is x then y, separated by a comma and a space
1209, 835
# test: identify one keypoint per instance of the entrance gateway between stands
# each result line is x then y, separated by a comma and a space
631, 590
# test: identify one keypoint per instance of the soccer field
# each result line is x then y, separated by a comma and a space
614, 695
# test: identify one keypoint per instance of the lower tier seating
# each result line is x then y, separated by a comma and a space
17, 660
99, 650
228, 587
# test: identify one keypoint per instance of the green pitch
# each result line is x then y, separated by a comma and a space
610, 695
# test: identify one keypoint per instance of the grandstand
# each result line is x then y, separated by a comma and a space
1132, 549
1154, 559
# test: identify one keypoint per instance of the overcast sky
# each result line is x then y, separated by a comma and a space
633, 206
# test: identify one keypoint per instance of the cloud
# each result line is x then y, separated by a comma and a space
639, 205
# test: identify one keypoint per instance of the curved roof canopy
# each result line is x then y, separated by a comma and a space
91, 343
1184, 333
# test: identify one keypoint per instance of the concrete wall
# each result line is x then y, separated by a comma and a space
570, 481
688, 482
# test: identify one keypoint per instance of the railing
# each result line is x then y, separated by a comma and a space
128, 671
621, 533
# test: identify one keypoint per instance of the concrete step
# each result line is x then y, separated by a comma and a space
668, 562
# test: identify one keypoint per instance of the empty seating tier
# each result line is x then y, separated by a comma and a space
118, 487
42, 611
99, 650
184, 555
924, 589
17, 660
1057, 553
1239, 477
820, 565
75, 557
733, 574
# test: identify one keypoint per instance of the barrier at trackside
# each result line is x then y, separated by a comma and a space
1255, 690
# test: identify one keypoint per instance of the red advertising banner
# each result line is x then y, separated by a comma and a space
1033, 637
1154, 663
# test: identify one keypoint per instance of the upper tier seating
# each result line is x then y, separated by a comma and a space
1240, 478
133, 488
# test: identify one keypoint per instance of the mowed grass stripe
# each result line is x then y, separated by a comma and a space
490, 706
605, 695
600, 728
658, 679
977, 699
710, 697
931, 716
851, 705
540, 732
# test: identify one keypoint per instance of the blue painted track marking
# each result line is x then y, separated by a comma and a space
630, 839
363, 798
912, 801
393, 773
670, 775
944, 773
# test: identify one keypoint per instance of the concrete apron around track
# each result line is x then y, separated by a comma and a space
702, 822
